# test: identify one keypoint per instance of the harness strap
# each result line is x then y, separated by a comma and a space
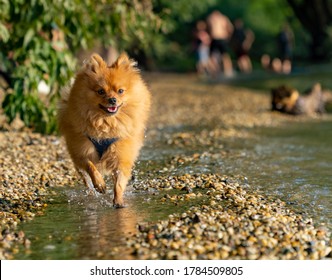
102, 145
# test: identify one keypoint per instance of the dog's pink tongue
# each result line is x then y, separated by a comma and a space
111, 109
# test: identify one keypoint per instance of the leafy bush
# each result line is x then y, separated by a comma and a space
29, 54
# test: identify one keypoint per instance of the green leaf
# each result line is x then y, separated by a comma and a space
4, 34
28, 37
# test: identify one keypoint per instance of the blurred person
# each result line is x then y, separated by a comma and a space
266, 61
221, 30
283, 62
202, 45
285, 46
241, 42
274, 65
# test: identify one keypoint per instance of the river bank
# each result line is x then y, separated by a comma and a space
234, 221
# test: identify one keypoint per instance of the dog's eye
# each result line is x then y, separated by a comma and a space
120, 91
101, 91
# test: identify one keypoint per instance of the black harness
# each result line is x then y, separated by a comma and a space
102, 145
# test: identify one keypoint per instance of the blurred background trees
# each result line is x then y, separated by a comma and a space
40, 40
316, 18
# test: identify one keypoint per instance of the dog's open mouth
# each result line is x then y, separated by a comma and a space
112, 109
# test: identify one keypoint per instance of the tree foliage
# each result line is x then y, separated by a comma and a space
155, 29
28, 53
316, 18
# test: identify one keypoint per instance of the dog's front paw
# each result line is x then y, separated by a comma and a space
118, 206
101, 188
118, 203
96, 178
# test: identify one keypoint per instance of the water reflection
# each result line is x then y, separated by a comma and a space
102, 229
77, 226
80, 226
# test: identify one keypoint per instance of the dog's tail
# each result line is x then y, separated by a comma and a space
327, 96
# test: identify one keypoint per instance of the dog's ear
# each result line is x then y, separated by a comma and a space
123, 59
125, 62
94, 63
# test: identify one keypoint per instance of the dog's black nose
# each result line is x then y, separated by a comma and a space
112, 100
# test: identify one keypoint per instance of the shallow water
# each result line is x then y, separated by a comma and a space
292, 162
79, 226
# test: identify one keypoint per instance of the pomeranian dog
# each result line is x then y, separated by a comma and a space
103, 117
288, 100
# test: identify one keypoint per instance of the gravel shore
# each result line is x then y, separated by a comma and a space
232, 223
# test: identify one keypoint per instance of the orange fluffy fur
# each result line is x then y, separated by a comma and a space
105, 102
